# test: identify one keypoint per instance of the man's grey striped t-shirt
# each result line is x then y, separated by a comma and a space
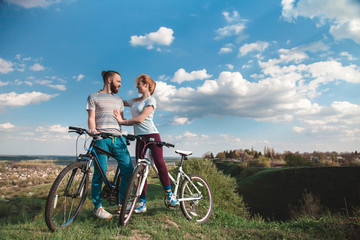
104, 105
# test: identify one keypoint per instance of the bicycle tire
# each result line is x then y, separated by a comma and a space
197, 210
61, 210
132, 195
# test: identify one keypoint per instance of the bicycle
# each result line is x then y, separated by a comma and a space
69, 190
195, 196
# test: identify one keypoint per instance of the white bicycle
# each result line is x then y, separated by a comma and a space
194, 195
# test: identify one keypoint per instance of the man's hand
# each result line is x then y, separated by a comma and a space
93, 131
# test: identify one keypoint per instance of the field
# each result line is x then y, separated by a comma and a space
23, 199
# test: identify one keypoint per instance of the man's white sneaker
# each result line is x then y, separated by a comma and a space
102, 213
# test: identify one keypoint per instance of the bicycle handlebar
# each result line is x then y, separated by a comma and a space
159, 143
129, 137
81, 131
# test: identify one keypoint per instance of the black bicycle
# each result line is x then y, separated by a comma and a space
69, 190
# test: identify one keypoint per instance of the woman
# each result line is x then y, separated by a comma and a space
142, 110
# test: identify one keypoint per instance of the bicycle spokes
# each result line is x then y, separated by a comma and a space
196, 199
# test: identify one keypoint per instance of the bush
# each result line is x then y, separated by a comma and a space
309, 207
296, 160
261, 161
222, 186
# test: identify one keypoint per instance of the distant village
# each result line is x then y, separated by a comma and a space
272, 159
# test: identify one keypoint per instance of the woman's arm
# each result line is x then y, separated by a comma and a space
126, 104
128, 122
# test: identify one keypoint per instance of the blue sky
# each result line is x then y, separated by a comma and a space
230, 74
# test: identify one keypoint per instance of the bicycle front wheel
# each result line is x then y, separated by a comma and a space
197, 203
132, 195
66, 196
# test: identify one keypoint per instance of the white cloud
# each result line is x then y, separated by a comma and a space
43, 82
230, 66
79, 77
4, 83
235, 25
162, 37
6, 126
53, 129
58, 87
50, 84
298, 129
36, 67
234, 17
14, 99
324, 72
231, 94
187, 136
342, 15
288, 11
225, 50
180, 120
258, 46
295, 55
340, 120
6, 66
33, 3
164, 92
181, 75
230, 30
348, 56
209, 87
282, 93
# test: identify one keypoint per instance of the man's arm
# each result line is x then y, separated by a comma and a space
91, 120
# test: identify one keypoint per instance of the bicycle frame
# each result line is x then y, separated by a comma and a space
90, 157
181, 175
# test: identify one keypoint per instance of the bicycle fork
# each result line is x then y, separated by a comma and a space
146, 163
80, 189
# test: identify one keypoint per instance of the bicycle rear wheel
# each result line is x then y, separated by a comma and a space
132, 195
200, 209
66, 196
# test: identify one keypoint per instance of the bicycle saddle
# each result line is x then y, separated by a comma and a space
185, 153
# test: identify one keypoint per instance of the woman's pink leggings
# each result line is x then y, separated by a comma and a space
157, 155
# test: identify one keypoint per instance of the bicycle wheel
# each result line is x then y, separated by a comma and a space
132, 195
198, 210
66, 196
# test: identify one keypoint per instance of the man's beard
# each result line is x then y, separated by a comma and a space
114, 89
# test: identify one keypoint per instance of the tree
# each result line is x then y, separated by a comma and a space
221, 155
208, 155
296, 160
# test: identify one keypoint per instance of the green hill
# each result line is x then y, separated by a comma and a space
275, 193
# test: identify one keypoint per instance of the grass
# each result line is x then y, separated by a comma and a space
23, 218
160, 223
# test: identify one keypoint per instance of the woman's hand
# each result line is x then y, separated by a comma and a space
118, 117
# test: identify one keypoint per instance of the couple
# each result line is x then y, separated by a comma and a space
105, 114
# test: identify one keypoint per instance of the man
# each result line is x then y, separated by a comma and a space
100, 107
